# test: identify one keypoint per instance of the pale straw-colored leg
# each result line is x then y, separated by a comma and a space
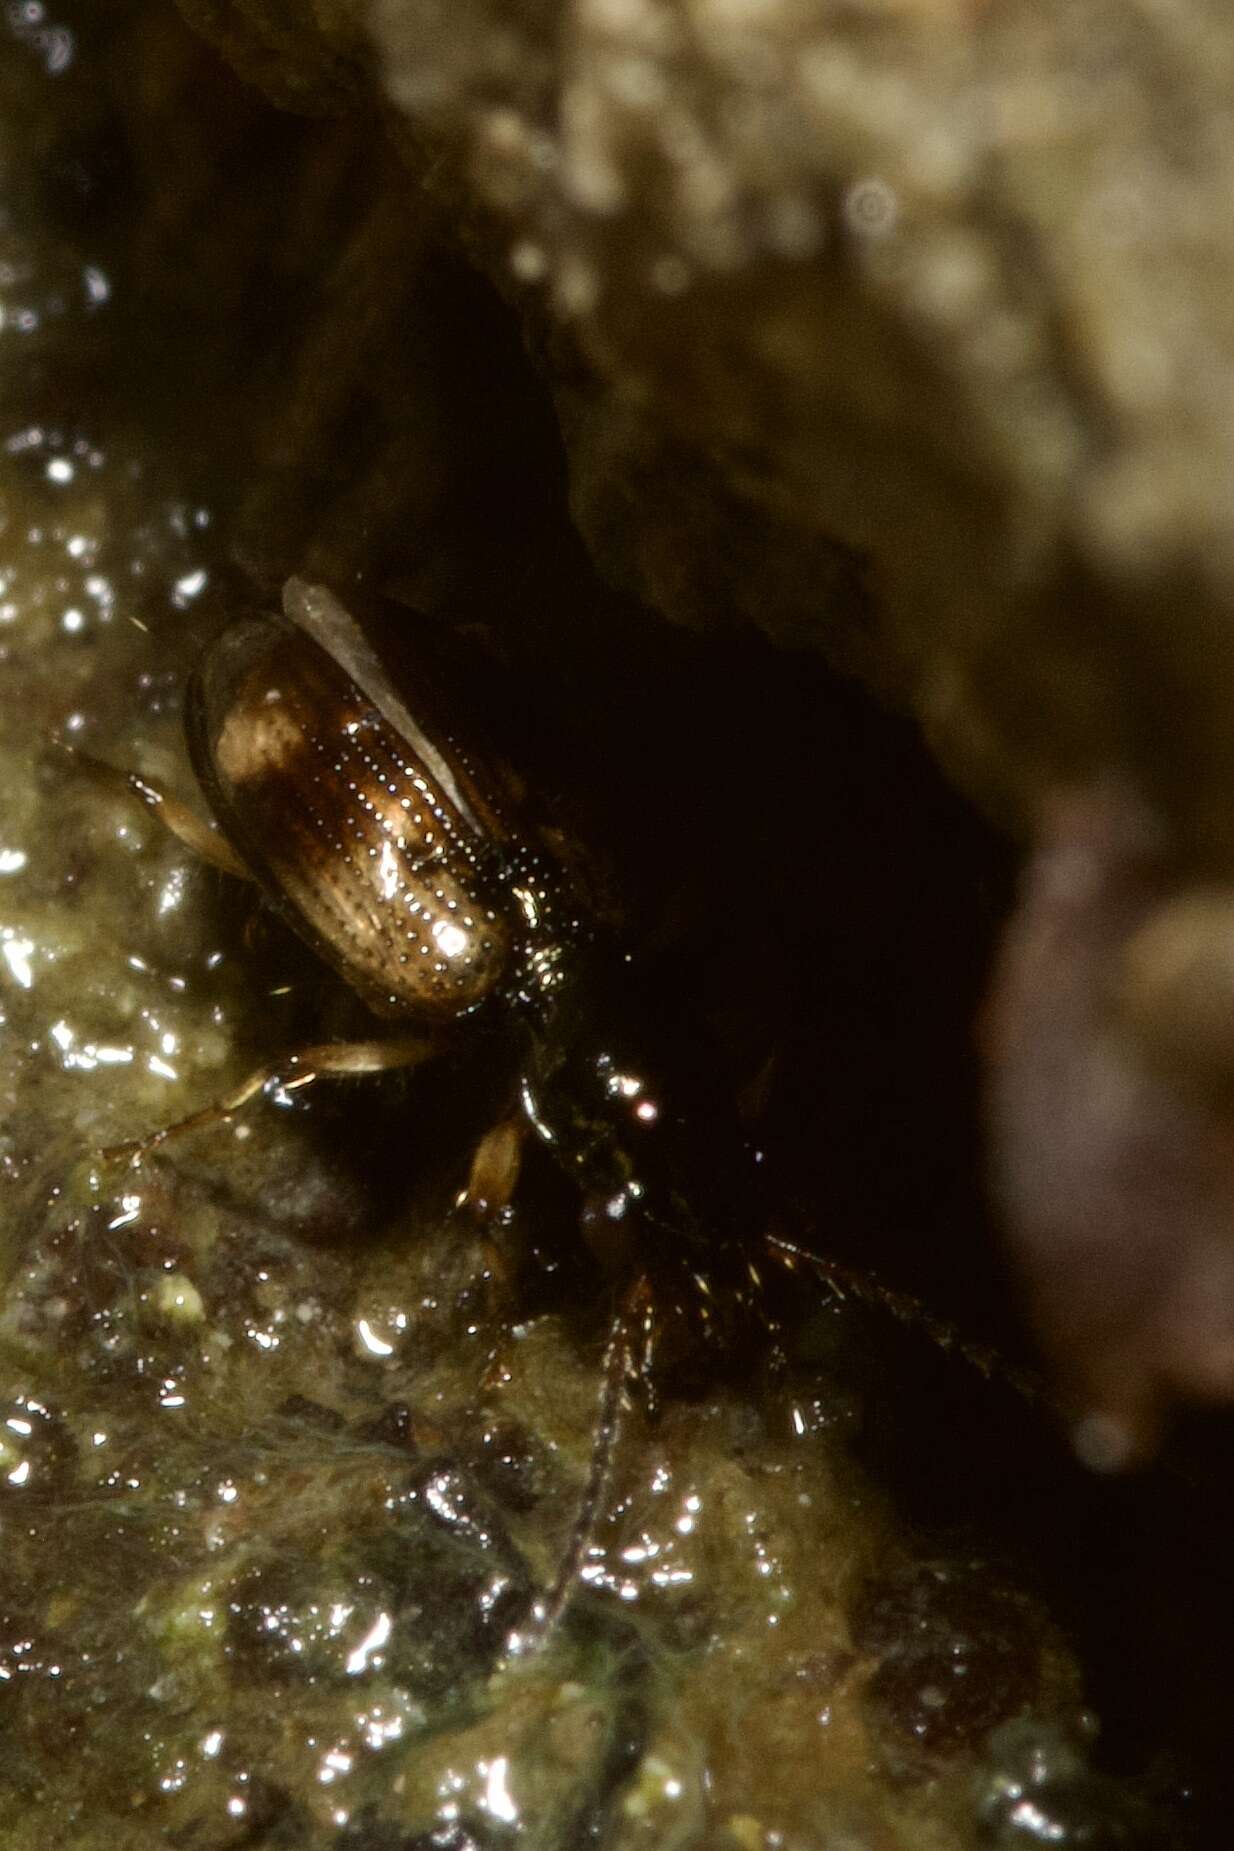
200, 837
293, 1071
494, 1172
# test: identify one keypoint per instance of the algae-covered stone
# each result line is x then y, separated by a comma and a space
260, 1580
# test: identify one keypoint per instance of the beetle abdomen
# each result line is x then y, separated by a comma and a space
349, 831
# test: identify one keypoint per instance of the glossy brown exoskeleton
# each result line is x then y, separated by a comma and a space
408, 859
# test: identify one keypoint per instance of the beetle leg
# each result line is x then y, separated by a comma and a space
489, 1190
494, 1172
491, 1182
642, 1327
293, 1072
623, 1354
201, 838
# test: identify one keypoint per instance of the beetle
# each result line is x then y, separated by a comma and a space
410, 860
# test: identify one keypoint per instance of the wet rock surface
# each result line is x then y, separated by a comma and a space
941, 286
286, 1448
901, 333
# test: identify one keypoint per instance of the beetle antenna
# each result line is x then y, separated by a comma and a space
851, 1282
